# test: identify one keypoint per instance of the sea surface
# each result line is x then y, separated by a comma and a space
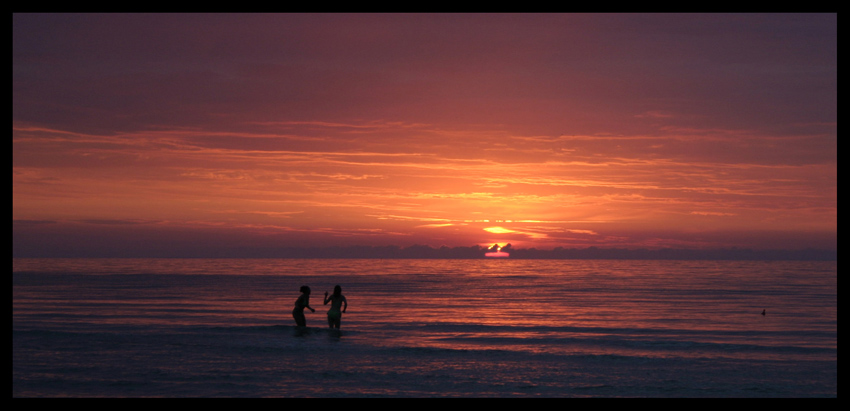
424, 328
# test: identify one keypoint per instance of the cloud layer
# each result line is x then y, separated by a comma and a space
538, 130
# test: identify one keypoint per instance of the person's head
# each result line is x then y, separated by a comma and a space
337, 290
305, 289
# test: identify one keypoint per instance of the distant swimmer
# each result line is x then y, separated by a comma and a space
337, 300
302, 302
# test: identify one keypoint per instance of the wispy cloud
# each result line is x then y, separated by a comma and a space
554, 128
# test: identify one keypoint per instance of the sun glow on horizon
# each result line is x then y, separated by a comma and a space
498, 230
496, 252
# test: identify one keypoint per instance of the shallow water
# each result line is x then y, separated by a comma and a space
424, 328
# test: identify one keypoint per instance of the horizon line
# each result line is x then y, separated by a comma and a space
467, 252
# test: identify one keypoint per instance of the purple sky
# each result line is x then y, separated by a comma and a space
143, 132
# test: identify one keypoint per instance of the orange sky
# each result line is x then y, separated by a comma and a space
637, 131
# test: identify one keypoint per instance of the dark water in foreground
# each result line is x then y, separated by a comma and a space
424, 328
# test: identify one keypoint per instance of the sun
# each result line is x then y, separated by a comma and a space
496, 252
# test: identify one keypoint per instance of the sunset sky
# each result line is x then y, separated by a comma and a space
159, 134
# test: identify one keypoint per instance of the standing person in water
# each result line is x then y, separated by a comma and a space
336, 299
302, 302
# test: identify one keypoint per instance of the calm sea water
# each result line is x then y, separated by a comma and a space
424, 328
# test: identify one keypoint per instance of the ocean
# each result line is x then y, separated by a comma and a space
424, 328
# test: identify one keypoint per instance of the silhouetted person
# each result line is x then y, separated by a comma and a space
336, 299
763, 311
302, 302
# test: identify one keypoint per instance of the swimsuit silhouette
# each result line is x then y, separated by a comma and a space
302, 302
336, 299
